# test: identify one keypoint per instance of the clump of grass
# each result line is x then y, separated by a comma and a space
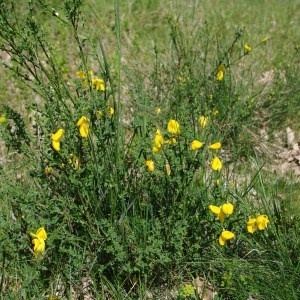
116, 209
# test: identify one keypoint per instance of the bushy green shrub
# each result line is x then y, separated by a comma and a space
122, 202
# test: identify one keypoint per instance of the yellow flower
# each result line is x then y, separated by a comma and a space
215, 112
262, 222
39, 246
203, 121
75, 161
158, 111
218, 182
39, 240
195, 145
83, 124
170, 141
251, 225
111, 110
215, 146
158, 139
217, 212
216, 164
247, 48
98, 84
263, 40
225, 236
222, 211
155, 149
48, 170
220, 75
99, 114
227, 209
150, 165
2, 118
173, 127
83, 74
56, 137
221, 72
41, 233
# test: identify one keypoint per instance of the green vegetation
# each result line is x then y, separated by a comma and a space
139, 144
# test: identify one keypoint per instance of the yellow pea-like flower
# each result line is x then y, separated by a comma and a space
48, 170
216, 164
225, 236
83, 124
56, 138
155, 149
39, 240
203, 120
99, 114
262, 222
98, 84
82, 74
216, 210
220, 75
173, 127
227, 209
111, 110
195, 145
41, 233
220, 72
247, 48
251, 225
39, 246
158, 139
170, 141
215, 146
150, 165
